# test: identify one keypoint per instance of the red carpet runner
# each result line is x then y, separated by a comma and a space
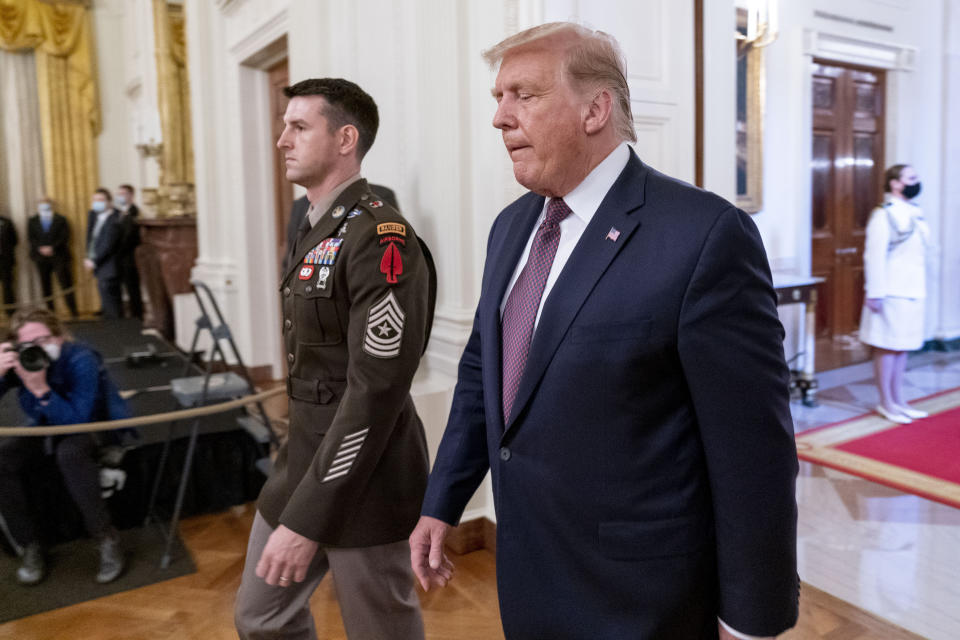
922, 458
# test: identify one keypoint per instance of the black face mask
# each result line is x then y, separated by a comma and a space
911, 191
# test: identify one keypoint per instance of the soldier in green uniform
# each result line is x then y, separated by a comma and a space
346, 488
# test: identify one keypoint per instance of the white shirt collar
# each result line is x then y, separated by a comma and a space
586, 197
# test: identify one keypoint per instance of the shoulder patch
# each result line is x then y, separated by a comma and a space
384, 328
391, 227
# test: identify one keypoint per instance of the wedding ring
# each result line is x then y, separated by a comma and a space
284, 579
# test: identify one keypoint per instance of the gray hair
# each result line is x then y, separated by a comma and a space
593, 62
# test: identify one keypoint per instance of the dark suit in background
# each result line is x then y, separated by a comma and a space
57, 237
8, 258
104, 251
127, 264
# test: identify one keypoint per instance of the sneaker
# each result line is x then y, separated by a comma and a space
111, 560
34, 567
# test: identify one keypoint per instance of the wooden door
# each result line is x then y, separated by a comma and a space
847, 168
279, 77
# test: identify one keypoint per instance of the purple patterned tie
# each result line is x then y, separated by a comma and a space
520, 312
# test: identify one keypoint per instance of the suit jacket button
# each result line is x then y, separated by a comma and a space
286, 291
504, 454
290, 357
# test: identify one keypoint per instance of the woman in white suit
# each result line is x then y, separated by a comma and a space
895, 273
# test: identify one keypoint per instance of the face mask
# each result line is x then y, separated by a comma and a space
120, 200
53, 350
45, 210
99, 205
911, 191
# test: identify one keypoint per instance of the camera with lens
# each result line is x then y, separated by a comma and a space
32, 356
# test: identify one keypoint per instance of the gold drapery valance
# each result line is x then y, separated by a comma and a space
61, 37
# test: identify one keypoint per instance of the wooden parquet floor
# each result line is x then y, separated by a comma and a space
200, 606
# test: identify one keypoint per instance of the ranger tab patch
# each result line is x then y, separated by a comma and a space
384, 328
391, 227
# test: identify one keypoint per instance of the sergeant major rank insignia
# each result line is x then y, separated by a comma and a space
384, 328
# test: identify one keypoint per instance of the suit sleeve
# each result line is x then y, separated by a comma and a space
731, 349
385, 335
111, 242
875, 254
462, 460
61, 239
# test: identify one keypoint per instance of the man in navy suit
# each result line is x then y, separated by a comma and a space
104, 242
624, 381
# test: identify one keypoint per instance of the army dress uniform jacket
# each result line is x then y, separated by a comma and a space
354, 469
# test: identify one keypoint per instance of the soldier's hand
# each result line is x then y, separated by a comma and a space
286, 557
430, 564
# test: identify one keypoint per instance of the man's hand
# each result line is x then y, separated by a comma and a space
286, 557
430, 564
34, 381
726, 635
89, 264
45, 250
8, 358
874, 304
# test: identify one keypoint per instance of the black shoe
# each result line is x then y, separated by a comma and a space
33, 568
111, 560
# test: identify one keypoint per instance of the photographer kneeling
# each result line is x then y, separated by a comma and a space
60, 383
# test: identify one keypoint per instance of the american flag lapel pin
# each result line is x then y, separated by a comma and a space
613, 234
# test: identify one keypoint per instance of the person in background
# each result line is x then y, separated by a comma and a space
68, 389
894, 268
48, 233
8, 258
104, 236
129, 241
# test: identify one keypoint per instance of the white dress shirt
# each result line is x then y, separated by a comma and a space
584, 201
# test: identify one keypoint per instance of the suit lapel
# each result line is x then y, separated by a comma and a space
587, 264
504, 258
325, 226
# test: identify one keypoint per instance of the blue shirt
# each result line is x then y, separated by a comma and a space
76, 395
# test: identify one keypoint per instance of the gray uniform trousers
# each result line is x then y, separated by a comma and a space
375, 588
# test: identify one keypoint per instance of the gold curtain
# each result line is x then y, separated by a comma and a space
61, 37
173, 93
